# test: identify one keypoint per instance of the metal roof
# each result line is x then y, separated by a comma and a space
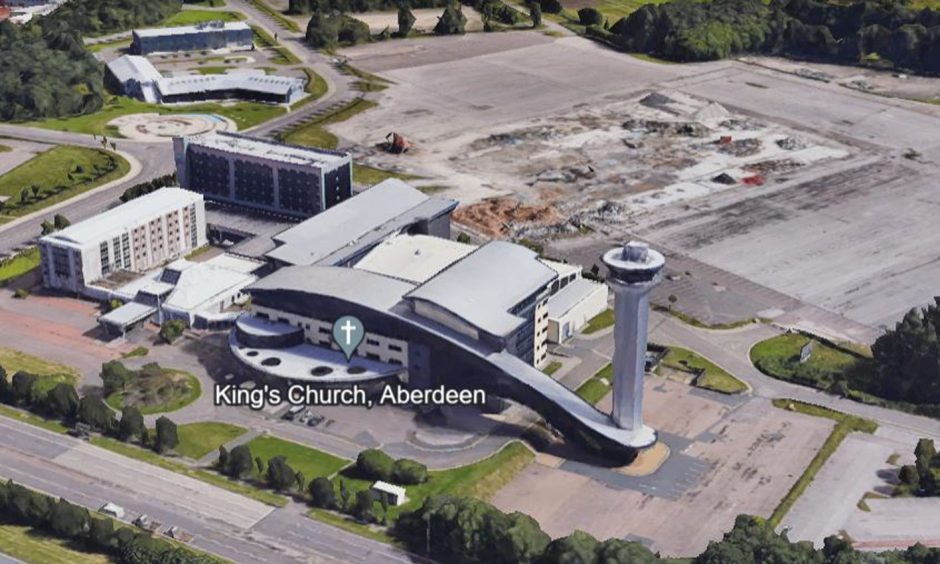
358, 223
205, 27
571, 295
357, 286
415, 258
128, 314
119, 219
264, 149
268, 84
484, 286
134, 67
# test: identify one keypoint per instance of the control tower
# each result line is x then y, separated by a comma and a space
634, 270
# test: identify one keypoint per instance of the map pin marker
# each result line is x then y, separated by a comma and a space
348, 332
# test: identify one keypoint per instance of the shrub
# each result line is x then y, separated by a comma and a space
171, 330
409, 472
322, 493
375, 464
590, 16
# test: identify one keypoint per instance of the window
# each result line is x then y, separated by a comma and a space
372, 342
105, 258
395, 348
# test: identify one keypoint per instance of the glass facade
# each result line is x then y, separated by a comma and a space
254, 183
208, 174
299, 191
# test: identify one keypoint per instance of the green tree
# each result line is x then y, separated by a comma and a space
535, 13
171, 330
24, 386
577, 547
167, 436
614, 551
409, 472
94, 412
6, 389
29, 507
590, 16
374, 464
452, 21
344, 495
101, 533
260, 464
300, 481
280, 475
69, 521
364, 508
406, 20
132, 424
115, 377
322, 493
239, 463
60, 221
63, 401
24, 196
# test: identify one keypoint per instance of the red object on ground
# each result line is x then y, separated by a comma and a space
724, 140
4, 12
756, 180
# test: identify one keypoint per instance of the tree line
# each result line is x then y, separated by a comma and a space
76, 524
884, 33
144, 188
923, 477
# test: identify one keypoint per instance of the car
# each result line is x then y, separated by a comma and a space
112, 510
176, 533
146, 523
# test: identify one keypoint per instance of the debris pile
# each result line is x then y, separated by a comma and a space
724, 178
672, 128
501, 216
772, 166
740, 147
396, 143
745, 124
792, 143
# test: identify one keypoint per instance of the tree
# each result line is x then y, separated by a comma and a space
590, 16
222, 461
617, 550
60, 221
364, 509
35, 189
46, 227
576, 547
909, 475
374, 464
322, 493
280, 475
6, 389
69, 521
260, 464
29, 507
132, 424
239, 462
167, 436
94, 412
63, 400
406, 20
24, 196
171, 330
24, 386
535, 13
551, 6
300, 480
344, 495
115, 377
409, 472
452, 21
101, 533
383, 499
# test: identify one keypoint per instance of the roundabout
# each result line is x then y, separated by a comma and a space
163, 127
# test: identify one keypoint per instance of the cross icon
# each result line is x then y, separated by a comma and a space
348, 328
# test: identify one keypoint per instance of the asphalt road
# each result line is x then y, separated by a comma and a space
148, 161
69, 468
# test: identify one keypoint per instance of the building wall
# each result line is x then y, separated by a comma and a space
137, 248
541, 334
285, 188
208, 38
593, 304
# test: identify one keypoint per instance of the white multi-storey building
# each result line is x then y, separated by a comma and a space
137, 236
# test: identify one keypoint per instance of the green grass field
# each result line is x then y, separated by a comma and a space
101, 46
312, 462
367, 175
210, 69
314, 133
552, 367
19, 264
779, 357
150, 457
244, 114
50, 171
845, 424
50, 373
598, 386
285, 23
26, 417
713, 378
35, 547
192, 17
262, 37
163, 392
199, 439
281, 55
480, 480
602, 320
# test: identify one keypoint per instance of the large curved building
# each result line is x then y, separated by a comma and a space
475, 324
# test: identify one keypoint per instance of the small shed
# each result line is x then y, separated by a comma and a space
395, 494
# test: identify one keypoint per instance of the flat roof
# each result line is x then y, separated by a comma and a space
415, 258
127, 314
120, 218
571, 295
268, 84
486, 284
357, 223
134, 67
270, 150
205, 27
563, 269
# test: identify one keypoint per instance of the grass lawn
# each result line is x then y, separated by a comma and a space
137, 352
695, 322
552, 367
244, 114
845, 424
316, 85
713, 378
481, 480
199, 439
50, 171
602, 320
19, 264
314, 134
283, 56
367, 175
312, 462
275, 15
221, 69
594, 389
779, 357
5, 149
106, 44
151, 457
26, 417
158, 390
35, 547
50, 373
192, 17
263, 38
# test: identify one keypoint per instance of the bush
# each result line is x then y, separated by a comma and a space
322, 493
451, 22
551, 6
590, 16
172, 330
374, 464
409, 472
21, 293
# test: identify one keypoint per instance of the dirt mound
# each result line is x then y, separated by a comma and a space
501, 216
